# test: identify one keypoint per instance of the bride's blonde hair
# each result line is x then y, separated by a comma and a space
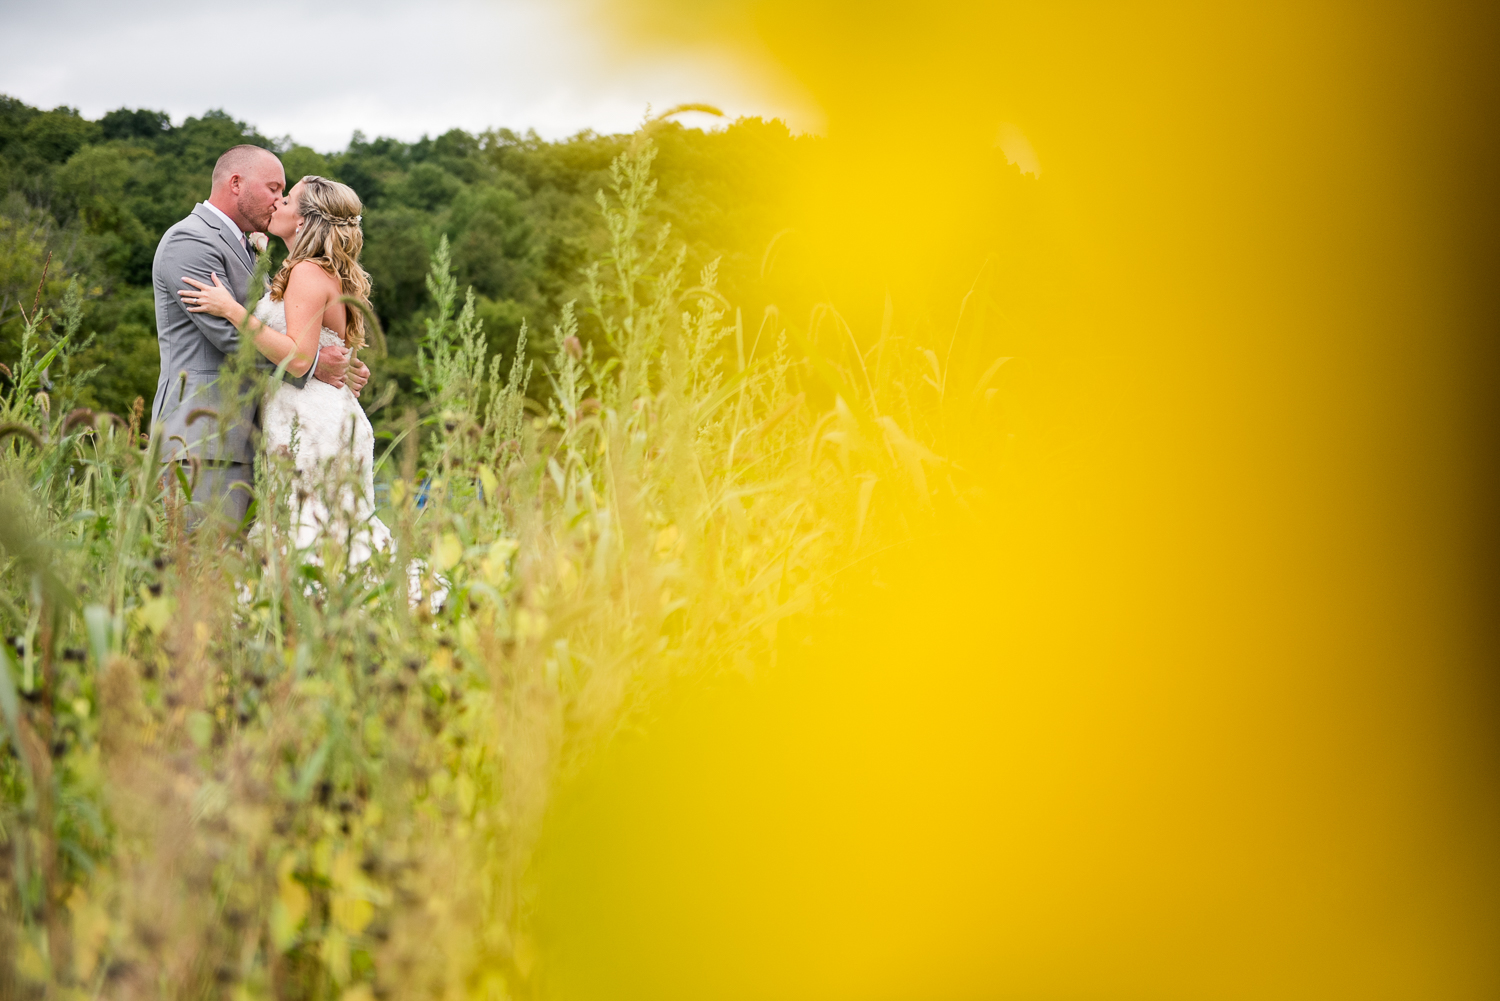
331, 236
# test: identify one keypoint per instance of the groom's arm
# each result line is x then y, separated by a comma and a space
189, 255
329, 365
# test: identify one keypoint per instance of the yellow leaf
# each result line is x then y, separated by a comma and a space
495, 574
398, 492
29, 962
468, 636
343, 872
467, 793
530, 624
323, 857
290, 892
374, 734
352, 913
447, 552
490, 483
290, 906
283, 926
336, 955
154, 614
666, 540
90, 931
494, 565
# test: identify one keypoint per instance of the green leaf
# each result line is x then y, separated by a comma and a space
200, 727
312, 770
96, 620
10, 707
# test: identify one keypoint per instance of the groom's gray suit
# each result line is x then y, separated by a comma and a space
193, 347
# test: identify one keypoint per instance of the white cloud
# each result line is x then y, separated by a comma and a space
317, 72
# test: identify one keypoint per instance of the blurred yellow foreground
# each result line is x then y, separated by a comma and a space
1197, 699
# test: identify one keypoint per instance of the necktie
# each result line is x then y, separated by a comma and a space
245, 242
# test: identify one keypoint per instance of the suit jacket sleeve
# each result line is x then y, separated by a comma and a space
190, 255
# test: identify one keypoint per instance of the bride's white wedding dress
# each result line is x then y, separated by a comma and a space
334, 453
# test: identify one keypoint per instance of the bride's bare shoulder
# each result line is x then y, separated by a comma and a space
310, 275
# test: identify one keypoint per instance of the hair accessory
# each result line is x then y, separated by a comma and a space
332, 220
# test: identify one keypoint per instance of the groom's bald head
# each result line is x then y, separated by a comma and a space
246, 183
242, 160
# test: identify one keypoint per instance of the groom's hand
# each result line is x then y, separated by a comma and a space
359, 374
333, 364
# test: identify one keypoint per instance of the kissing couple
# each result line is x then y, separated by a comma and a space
201, 276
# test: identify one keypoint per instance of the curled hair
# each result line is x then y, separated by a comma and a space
331, 237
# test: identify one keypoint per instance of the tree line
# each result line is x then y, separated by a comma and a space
517, 211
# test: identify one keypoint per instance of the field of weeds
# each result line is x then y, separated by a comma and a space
235, 770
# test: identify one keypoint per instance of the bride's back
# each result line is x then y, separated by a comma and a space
310, 282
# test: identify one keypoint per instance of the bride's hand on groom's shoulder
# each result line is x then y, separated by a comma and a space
333, 364
201, 298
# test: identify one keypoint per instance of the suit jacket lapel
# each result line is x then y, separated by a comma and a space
212, 218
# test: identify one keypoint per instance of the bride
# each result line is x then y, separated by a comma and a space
321, 426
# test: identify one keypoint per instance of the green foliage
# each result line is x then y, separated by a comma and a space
517, 212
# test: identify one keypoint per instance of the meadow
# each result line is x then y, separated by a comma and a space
235, 770
905, 576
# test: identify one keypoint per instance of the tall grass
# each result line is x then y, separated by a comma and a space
237, 769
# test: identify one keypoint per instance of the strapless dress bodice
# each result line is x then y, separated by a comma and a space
273, 313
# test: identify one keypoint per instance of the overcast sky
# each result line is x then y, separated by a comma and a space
319, 71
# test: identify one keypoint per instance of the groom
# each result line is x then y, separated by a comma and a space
248, 182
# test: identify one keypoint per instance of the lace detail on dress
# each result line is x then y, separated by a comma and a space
334, 453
